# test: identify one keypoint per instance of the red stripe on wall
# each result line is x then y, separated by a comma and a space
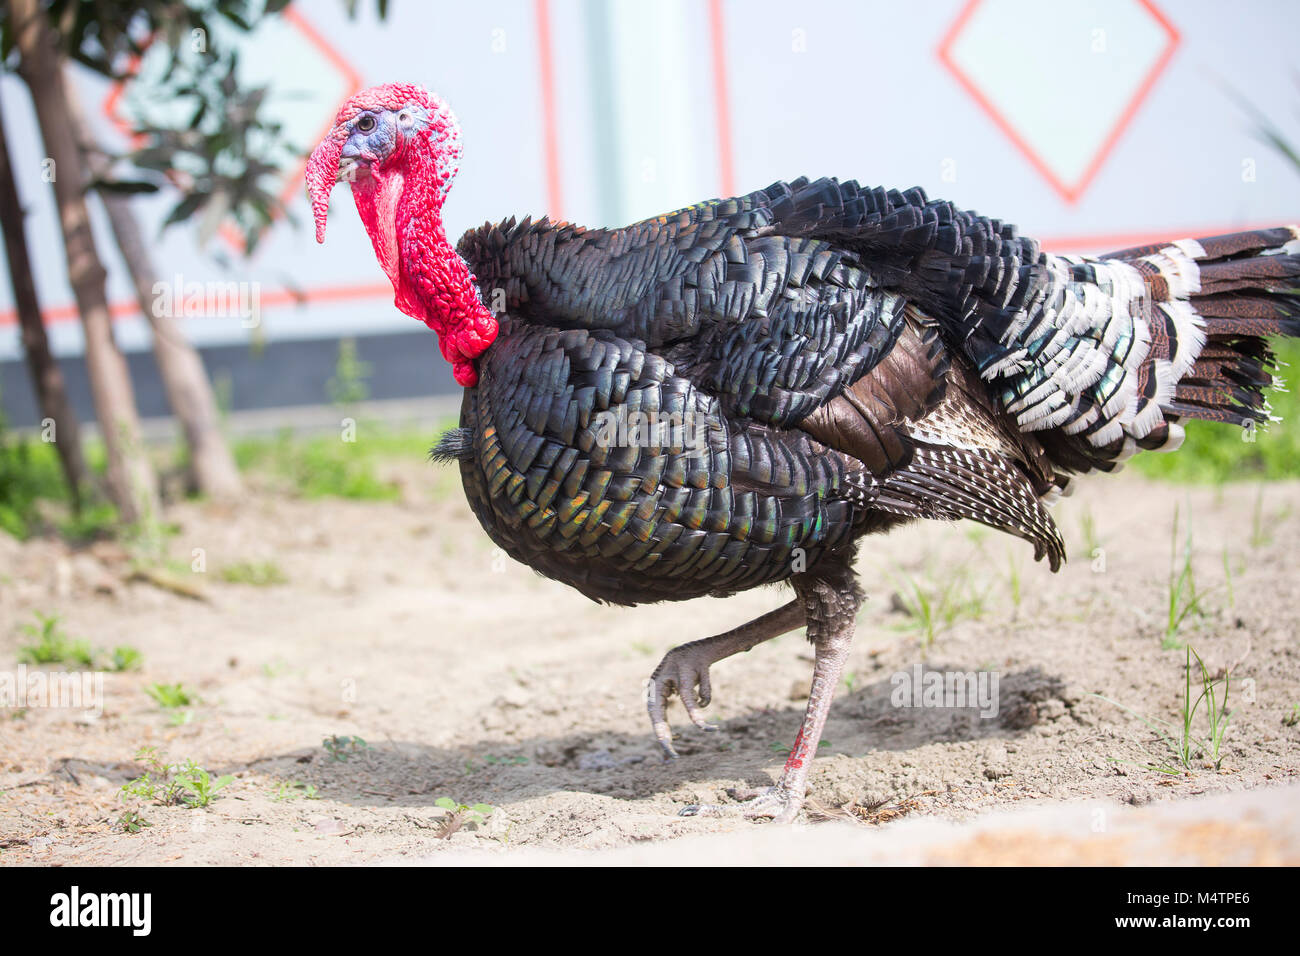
281, 297
550, 132
722, 99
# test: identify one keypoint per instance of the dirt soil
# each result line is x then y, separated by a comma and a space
469, 677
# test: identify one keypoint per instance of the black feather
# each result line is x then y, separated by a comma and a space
456, 444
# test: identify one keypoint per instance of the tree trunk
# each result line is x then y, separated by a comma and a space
131, 481
185, 380
47, 377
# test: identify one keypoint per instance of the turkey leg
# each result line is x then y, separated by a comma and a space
831, 607
688, 665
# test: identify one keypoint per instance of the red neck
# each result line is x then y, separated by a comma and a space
402, 211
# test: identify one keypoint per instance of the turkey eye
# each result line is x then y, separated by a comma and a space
366, 123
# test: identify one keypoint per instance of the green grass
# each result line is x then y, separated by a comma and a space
1013, 581
33, 496
1213, 453
933, 608
1181, 741
132, 822
460, 814
186, 784
34, 499
29, 472
170, 696
294, 790
1091, 540
325, 466
198, 788
50, 645
1183, 598
255, 573
342, 749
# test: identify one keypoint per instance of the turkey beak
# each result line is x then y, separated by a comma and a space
323, 171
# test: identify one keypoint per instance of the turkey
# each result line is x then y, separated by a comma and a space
735, 393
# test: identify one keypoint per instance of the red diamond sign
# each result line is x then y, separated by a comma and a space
1061, 80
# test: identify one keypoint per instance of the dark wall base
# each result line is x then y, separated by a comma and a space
403, 365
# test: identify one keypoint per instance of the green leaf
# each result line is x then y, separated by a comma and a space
122, 186
185, 208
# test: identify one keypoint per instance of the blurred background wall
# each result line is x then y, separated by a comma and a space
1092, 125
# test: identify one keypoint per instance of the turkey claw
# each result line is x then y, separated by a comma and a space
776, 803
680, 672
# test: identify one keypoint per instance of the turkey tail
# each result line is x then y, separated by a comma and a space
1214, 302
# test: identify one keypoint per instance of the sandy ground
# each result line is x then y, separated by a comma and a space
471, 678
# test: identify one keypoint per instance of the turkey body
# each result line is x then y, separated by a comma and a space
690, 503
734, 394
730, 394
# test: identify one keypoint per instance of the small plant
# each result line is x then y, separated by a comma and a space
52, 645
125, 658
342, 749
1227, 579
460, 814
931, 610
514, 760
1088, 527
294, 790
132, 822
1259, 533
256, 573
170, 696
1293, 718
186, 784
156, 782
275, 668
348, 386
1182, 742
1013, 582
199, 786
1184, 598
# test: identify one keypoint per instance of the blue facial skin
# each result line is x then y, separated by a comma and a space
375, 145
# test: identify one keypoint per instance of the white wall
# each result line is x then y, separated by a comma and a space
818, 87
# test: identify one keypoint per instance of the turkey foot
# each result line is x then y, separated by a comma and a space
777, 803
687, 666
830, 607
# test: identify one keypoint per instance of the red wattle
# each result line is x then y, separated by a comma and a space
400, 204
